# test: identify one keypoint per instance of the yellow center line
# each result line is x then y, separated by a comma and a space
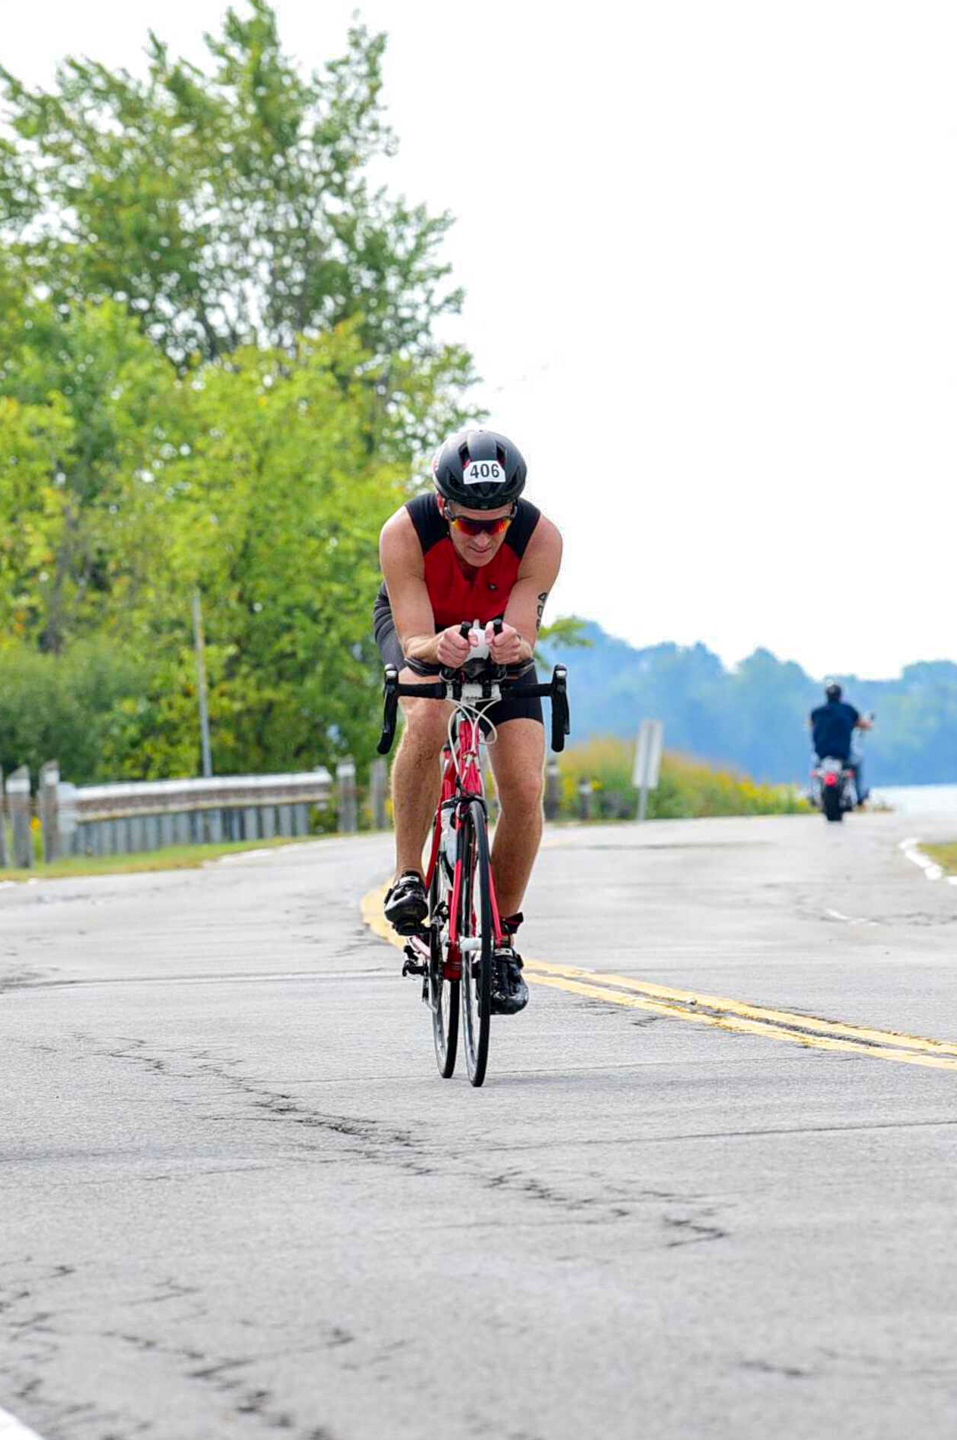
718, 1011
755, 1012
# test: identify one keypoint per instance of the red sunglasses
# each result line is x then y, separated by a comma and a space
467, 526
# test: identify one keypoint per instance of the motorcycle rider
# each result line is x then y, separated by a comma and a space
832, 730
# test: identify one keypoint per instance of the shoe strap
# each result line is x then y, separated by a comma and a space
403, 882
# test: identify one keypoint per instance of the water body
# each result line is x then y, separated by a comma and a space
918, 799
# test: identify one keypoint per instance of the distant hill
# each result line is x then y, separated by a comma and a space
754, 715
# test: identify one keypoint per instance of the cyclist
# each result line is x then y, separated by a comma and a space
471, 549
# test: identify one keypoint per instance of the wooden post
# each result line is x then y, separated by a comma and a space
552, 790
378, 788
18, 803
4, 855
346, 789
66, 821
47, 809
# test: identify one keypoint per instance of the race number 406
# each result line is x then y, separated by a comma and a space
481, 472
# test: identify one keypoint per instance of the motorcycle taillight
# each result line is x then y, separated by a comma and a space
830, 778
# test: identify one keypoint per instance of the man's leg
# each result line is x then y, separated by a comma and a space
416, 774
518, 763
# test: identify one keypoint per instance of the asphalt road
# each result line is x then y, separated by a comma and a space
236, 1199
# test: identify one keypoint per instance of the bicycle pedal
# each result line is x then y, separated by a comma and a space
413, 965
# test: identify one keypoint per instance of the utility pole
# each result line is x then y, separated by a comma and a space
201, 681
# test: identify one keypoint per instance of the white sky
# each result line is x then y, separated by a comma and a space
711, 261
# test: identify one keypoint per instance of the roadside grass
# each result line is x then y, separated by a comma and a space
945, 855
171, 857
688, 788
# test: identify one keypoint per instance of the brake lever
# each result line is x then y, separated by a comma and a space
561, 715
390, 709
449, 672
498, 671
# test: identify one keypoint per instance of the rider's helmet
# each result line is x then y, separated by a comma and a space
832, 690
479, 469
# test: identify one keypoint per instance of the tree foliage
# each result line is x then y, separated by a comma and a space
274, 517
249, 479
66, 707
228, 204
219, 370
88, 401
754, 717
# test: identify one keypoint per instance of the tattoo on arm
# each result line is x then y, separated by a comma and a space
540, 610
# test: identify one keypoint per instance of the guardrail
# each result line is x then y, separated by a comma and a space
127, 817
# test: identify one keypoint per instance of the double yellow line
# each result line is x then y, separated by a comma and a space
716, 1010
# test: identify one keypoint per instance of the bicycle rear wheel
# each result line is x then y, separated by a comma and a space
475, 939
443, 993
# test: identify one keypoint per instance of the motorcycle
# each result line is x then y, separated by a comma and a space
834, 785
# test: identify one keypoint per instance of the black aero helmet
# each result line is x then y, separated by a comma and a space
479, 469
832, 690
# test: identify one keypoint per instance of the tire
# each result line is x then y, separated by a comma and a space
832, 803
475, 924
443, 994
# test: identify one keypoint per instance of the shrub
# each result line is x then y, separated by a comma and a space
61, 707
687, 788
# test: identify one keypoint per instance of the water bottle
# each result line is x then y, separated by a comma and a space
448, 842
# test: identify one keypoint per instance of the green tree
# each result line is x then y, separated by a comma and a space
229, 205
32, 508
274, 513
218, 368
88, 407
65, 708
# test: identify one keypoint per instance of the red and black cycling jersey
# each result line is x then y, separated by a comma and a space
454, 595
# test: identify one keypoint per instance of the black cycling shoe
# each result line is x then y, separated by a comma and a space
509, 991
406, 903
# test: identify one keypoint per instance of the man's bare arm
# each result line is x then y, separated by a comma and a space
536, 577
400, 556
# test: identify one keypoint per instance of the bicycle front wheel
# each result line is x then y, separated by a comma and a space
443, 989
476, 939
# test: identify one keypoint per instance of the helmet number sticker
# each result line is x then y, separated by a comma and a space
483, 472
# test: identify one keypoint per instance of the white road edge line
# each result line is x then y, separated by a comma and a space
932, 871
849, 919
13, 1429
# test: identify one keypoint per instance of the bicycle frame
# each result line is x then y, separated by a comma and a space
461, 783
455, 953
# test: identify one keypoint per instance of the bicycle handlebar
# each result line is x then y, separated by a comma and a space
556, 690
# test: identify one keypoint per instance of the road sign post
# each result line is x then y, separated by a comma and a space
647, 761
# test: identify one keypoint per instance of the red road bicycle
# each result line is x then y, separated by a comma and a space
454, 954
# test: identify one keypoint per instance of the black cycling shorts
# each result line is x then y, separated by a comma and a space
513, 707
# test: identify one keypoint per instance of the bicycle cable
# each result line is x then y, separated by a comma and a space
476, 715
